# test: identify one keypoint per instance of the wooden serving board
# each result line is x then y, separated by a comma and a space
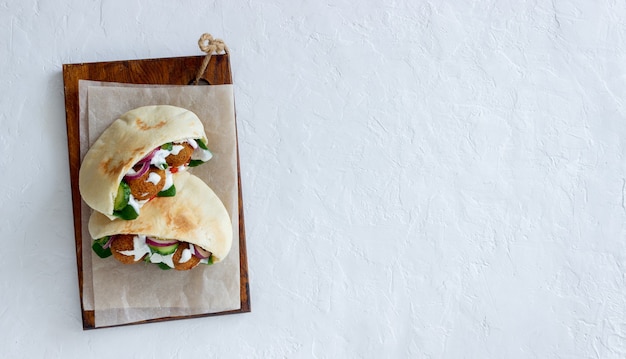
164, 71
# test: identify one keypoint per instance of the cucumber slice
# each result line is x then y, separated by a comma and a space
164, 250
123, 194
127, 213
170, 192
97, 247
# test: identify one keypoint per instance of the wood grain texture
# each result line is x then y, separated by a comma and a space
164, 71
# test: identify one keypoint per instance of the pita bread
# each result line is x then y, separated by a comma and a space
126, 141
195, 215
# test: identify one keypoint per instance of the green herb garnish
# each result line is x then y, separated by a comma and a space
163, 266
170, 192
126, 213
98, 245
201, 144
194, 163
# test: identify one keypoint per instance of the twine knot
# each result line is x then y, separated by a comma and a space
210, 46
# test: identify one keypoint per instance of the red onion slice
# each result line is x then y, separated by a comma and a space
149, 156
108, 243
156, 242
145, 166
201, 253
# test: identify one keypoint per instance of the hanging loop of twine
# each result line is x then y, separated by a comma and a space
210, 46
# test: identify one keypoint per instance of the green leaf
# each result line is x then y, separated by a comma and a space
170, 192
202, 144
168, 146
163, 266
194, 163
126, 213
102, 241
97, 247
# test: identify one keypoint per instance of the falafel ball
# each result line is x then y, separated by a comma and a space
123, 242
189, 264
142, 189
182, 158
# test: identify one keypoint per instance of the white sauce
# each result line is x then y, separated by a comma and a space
176, 149
134, 203
154, 178
158, 160
192, 143
201, 154
169, 180
158, 258
185, 255
140, 248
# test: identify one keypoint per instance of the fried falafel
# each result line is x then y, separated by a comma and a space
123, 243
167, 254
182, 157
183, 258
144, 187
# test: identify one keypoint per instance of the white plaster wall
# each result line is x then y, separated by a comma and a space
421, 179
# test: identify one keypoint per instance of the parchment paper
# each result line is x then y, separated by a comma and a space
121, 294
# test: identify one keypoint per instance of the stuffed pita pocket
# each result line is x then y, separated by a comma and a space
181, 232
134, 159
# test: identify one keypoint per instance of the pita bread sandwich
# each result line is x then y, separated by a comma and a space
182, 232
135, 158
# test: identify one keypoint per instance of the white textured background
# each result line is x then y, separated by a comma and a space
421, 179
